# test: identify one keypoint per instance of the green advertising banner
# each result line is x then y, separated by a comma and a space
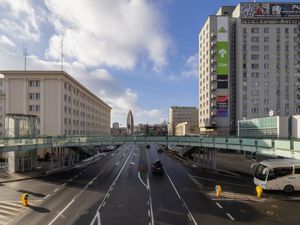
222, 58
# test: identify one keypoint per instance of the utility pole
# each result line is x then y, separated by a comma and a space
25, 58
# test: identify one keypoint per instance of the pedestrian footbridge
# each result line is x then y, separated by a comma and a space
273, 147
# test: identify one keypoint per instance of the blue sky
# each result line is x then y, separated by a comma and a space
139, 54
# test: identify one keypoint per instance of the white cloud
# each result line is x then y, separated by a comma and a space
116, 33
20, 19
99, 81
6, 41
191, 66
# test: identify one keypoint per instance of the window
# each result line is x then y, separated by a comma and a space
266, 30
254, 57
34, 83
255, 30
297, 170
266, 39
267, 83
266, 75
286, 30
266, 66
266, 48
266, 56
266, 101
255, 48
279, 172
255, 92
255, 75
255, 84
277, 30
254, 65
255, 39
254, 110
255, 101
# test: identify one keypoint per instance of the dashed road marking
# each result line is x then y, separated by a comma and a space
56, 190
46, 196
221, 207
230, 216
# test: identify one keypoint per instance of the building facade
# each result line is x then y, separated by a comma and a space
180, 114
2, 106
62, 105
249, 64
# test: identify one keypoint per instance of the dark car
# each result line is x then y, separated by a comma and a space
157, 167
159, 150
147, 146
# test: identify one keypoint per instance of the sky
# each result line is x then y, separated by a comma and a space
139, 55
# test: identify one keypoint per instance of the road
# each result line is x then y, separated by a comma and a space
120, 189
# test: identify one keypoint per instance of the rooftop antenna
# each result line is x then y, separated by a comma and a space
25, 53
62, 54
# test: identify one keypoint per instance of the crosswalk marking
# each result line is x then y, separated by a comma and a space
10, 209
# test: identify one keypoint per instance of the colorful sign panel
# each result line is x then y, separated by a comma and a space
269, 9
222, 106
222, 58
222, 52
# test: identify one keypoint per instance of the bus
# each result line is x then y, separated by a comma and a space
278, 174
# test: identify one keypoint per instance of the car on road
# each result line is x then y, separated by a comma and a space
157, 167
159, 150
147, 146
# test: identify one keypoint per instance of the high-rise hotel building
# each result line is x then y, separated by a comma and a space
249, 58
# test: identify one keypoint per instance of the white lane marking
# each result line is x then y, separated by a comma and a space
103, 203
186, 207
221, 207
230, 216
64, 184
150, 201
189, 217
76, 176
132, 163
149, 213
70, 180
222, 182
46, 196
61, 212
139, 175
114, 182
56, 190
117, 163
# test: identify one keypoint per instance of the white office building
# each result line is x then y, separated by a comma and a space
63, 106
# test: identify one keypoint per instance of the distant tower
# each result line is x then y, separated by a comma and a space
129, 123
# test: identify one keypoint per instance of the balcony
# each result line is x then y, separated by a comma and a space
213, 51
213, 60
213, 69
213, 87
213, 43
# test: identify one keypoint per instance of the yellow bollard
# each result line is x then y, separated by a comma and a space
218, 190
24, 199
259, 191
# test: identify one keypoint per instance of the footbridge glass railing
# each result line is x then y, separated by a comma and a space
284, 148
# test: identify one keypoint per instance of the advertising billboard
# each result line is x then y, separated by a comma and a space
222, 52
222, 106
269, 9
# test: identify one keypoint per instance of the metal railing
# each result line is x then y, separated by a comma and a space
284, 148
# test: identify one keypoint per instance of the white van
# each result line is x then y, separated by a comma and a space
278, 174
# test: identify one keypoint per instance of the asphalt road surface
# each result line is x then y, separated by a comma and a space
121, 190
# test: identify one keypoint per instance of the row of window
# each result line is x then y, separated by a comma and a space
267, 29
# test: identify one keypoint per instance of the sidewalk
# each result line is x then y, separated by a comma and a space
6, 177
